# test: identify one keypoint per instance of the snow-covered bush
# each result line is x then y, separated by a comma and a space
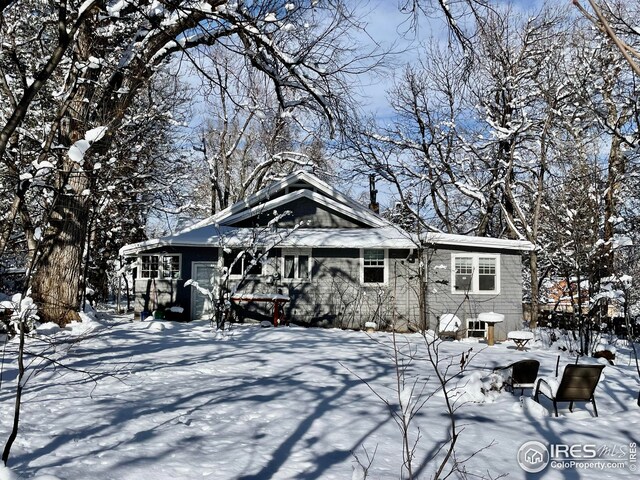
479, 388
16, 311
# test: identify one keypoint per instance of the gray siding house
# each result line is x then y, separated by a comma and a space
340, 264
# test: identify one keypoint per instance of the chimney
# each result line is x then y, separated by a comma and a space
373, 204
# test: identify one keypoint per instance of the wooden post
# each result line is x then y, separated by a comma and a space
490, 334
490, 319
276, 309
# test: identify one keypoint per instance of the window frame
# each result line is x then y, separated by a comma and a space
161, 270
475, 273
385, 266
296, 254
477, 323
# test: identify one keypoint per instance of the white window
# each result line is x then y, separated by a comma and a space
160, 266
296, 266
476, 328
487, 268
374, 266
475, 273
241, 262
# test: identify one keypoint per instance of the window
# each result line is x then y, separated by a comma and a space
373, 266
160, 266
486, 274
464, 273
475, 328
296, 266
476, 273
150, 266
242, 262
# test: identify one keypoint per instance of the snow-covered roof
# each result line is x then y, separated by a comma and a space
435, 238
218, 230
330, 196
218, 236
378, 237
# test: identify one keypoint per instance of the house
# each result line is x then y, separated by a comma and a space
602, 303
340, 263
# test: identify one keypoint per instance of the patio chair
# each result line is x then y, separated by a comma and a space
578, 384
449, 327
523, 374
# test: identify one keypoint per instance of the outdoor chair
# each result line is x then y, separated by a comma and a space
523, 374
449, 327
578, 384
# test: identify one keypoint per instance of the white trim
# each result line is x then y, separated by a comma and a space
160, 256
475, 319
475, 289
386, 268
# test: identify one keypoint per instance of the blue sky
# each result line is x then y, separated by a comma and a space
387, 26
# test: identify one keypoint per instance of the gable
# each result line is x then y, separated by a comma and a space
304, 203
283, 191
306, 212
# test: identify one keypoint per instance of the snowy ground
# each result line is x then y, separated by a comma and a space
171, 401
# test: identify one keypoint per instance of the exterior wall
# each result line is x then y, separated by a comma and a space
151, 294
403, 266
336, 297
508, 301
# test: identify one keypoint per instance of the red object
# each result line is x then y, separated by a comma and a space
278, 301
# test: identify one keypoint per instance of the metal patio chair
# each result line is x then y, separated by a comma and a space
523, 374
578, 384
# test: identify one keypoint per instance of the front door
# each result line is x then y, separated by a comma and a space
205, 273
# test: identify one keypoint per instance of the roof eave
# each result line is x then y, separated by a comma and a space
489, 243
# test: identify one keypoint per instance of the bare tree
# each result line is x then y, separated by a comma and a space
411, 393
613, 20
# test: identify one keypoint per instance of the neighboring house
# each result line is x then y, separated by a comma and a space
560, 299
340, 263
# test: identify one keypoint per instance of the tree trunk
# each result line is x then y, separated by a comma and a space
614, 183
57, 279
535, 293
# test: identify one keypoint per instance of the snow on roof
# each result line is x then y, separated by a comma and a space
364, 216
223, 236
478, 242
332, 195
380, 237
216, 231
